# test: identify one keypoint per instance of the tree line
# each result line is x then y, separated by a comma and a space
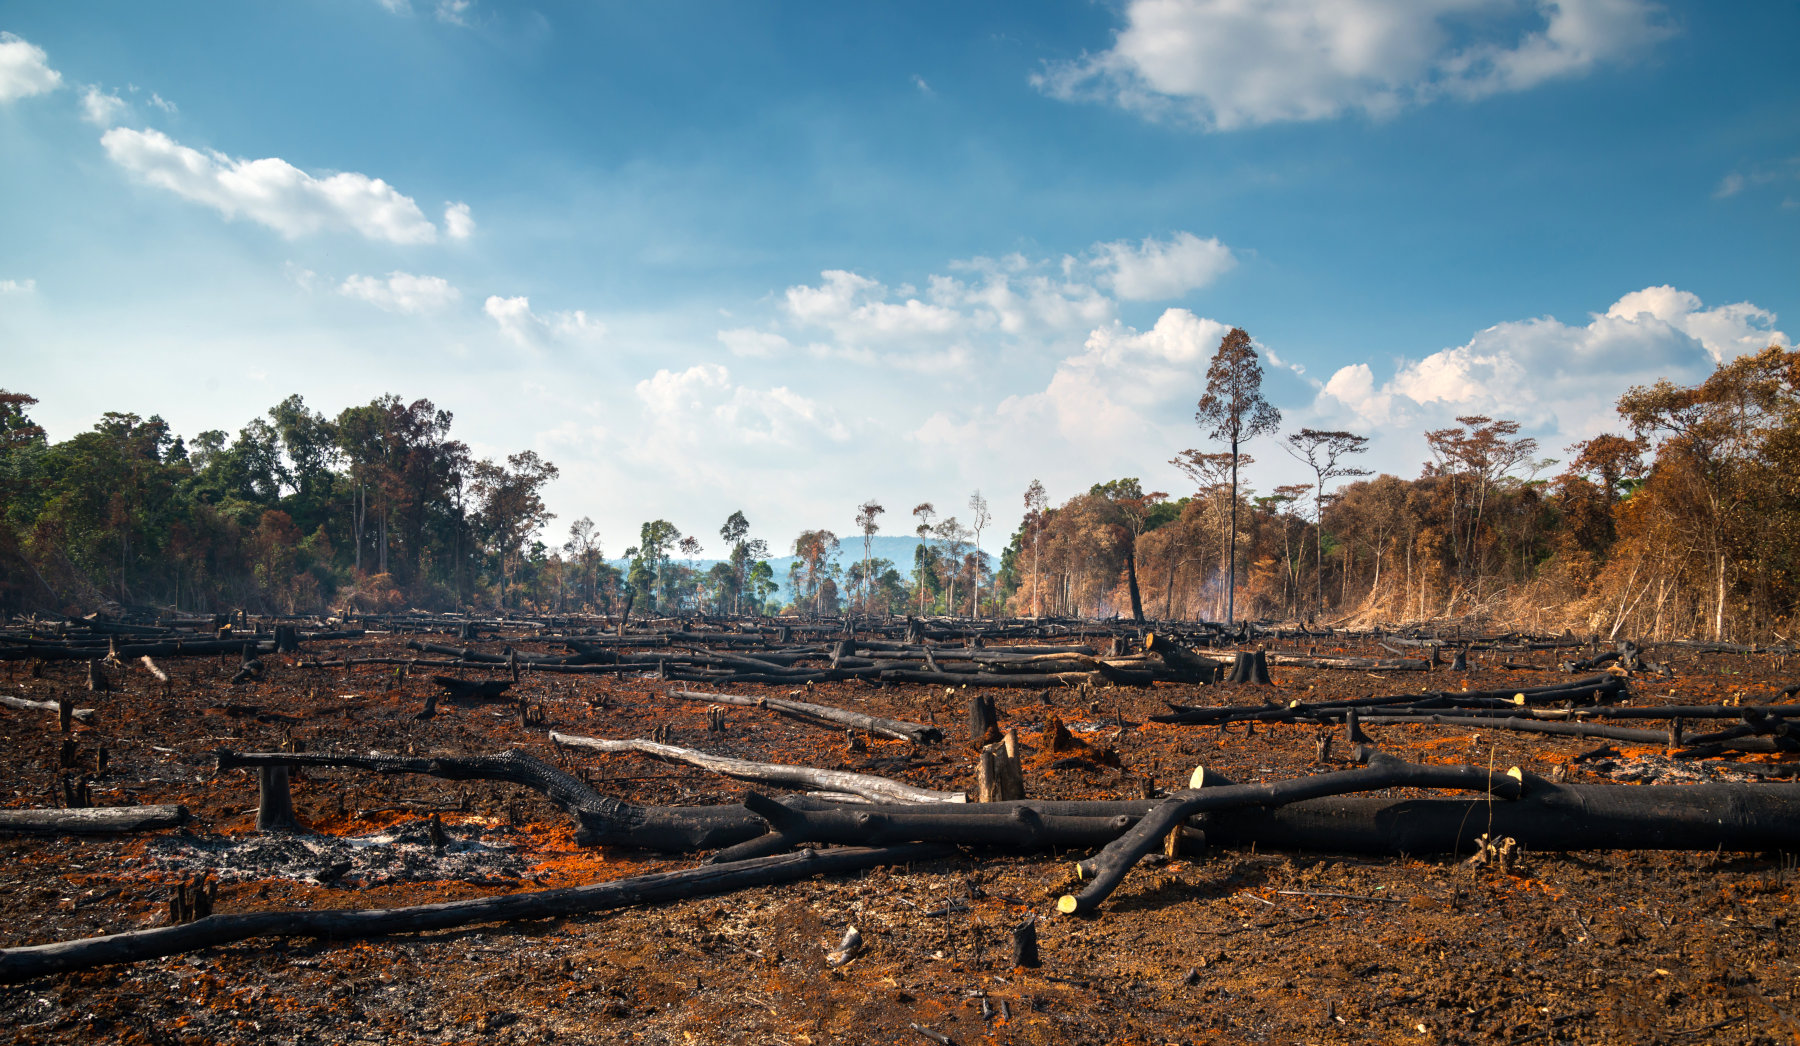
1687, 521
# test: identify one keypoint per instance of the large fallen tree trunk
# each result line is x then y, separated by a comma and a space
1107, 869
1599, 688
21, 964
94, 820
836, 718
1698, 817
867, 786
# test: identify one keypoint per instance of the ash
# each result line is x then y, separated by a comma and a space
1660, 769
401, 854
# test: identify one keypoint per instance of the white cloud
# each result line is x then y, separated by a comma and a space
857, 305
18, 286
1156, 270
1237, 63
402, 292
528, 330
271, 191
982, 307
101, 108
24, 69
454, 12
459, 224
753, 343
397, 7
1125, 389
163, 103
701, 407
1726, 332
1553, 375
919, 82
1123, 375
1757, 176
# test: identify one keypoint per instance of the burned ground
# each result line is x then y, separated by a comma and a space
1221, 946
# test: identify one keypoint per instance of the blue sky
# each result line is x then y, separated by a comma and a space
787, 257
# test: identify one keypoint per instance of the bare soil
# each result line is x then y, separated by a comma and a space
1218, 947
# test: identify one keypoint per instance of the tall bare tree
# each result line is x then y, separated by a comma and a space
1037, 503
980, 517
1321, 449
924, 512
1234, 410
866, 522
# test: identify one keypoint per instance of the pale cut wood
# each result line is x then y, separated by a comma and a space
867, 786
95, 820
917, 733
84, 715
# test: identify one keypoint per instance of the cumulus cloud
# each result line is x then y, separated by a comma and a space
702, 407
18, 286
1234, 63
529, 330
1551, 374
1157, 270
753, 343
980, 306
24, 69
459, 224
101, 107
402, 292
271, 191
849, 303
1123, 375
1125, 388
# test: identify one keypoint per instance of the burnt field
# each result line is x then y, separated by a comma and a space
1221, 941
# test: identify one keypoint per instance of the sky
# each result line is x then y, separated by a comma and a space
785, 258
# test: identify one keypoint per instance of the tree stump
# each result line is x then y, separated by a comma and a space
983, 718
999, 777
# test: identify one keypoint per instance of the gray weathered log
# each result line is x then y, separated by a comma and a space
83, 715
94, 820
825, 715
868, 786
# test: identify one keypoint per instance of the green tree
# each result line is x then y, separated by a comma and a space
511, 507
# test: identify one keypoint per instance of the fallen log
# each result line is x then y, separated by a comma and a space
83, 715
94, 820
1599, 688
1108, 868
22, 964
1738, 739
1587, 817
836, 718
603, 819
868, 786
87, 652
